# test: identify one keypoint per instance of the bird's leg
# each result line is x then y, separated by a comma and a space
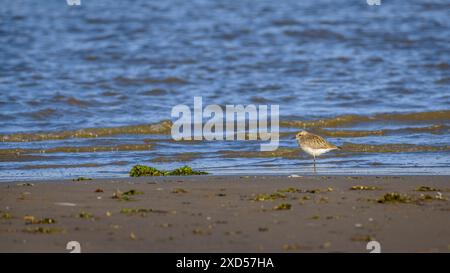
314, 163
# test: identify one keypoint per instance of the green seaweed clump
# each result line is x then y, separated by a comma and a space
31, 220
427, 197
426, 188
141, 211
42, 230
267, 197
6, 216
394, 197
141, 170
185, 170
179, 190
133, 192
364, 188
120, 196
81, 179
283, 206
85, 215
289, 190
362, 238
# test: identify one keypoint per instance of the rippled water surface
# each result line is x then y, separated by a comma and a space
88, 90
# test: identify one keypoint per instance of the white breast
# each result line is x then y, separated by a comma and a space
316, 152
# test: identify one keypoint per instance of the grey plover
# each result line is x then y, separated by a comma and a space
313, 144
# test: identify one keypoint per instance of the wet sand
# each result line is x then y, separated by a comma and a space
227, 214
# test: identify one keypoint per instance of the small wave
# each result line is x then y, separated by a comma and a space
280, 152
141, 81
154, 92
443, 81
182, 157
96, 20
43, 114
374, 60
291, 153
392, 148
439, 66
350, 133
286, 22
340, 59
163, 127
433, 129
72, 101
59, 166
110, 94
91, 58
345, 120
102, 37
85, 149
14, 156
260, 100
6, 117
65, 166
318, 34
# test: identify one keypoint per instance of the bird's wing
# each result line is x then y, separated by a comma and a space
317, 142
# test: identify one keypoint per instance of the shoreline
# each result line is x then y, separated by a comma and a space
235, 213
280, 174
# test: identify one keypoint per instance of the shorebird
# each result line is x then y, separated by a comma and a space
313, 144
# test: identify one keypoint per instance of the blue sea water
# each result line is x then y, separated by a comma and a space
106, 64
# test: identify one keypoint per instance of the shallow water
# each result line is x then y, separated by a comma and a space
80, 85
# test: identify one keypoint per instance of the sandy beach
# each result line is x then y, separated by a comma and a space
224, 127
228, 214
